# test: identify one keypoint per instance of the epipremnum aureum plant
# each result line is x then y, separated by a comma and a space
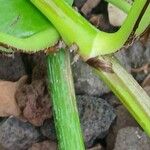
24, 28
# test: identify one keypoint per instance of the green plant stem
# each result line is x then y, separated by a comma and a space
64, 102
75, 29
128, 91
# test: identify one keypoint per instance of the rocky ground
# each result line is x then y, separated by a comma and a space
26, 120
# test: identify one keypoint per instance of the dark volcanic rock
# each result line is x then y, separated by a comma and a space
96, 116
86, 82
132, 138
17, 135
135, 57
111, 99
48, 129
139, 56
123, 119
12, 67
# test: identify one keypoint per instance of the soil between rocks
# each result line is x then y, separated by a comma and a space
104, 120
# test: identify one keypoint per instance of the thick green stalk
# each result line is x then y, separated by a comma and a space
64, 102
127, 90
75, 29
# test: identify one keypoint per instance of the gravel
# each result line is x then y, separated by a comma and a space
132, 138
17, 135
